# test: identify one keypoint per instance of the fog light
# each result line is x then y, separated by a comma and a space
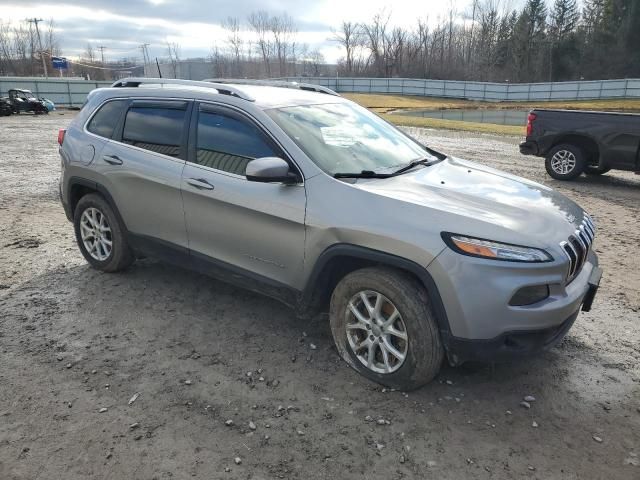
529, 295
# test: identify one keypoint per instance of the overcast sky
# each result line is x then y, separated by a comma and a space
122, 25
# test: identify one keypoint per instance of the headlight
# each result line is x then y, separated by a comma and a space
478, 247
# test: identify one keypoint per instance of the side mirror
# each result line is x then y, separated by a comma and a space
270, 170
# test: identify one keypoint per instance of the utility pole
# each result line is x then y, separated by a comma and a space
35, 22
145, 54
103, 73
101, 48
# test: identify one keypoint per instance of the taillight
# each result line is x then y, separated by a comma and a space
530, 120
61, 133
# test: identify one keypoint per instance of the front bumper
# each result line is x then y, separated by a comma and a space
508, 346
481, 325
519, 344
529, 147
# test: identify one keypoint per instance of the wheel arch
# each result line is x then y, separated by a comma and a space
588, 145
341, 259
79, 187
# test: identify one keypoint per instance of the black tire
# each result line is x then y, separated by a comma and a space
572, 152
121, 255
424, 350
592, 170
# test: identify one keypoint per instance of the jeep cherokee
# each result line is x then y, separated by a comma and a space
295, 192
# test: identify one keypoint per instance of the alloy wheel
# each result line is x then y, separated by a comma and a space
376, 332
95, 233
563, 162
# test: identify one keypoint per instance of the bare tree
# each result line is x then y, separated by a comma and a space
349, 37
283, 31
260, 24
89, 53
375, 33
6, 51
235, 42
173, 50
396, 49
313, 61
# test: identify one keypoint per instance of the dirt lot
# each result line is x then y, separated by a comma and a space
76, 345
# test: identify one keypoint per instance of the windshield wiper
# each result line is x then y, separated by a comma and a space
410, 165
363, 174
372, 174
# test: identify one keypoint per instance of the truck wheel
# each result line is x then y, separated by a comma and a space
100, 236
565, 162
383, 326
592, 170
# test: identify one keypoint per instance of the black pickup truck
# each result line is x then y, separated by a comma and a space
573, 142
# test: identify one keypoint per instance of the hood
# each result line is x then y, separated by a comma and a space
484, 202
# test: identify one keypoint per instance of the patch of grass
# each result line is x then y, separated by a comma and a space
404, 120
386, 103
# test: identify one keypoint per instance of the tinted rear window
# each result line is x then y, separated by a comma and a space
155, 128
105, 120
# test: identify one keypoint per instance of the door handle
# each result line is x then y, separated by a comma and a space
200, 184
112, 159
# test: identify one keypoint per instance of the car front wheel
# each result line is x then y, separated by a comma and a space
384, 327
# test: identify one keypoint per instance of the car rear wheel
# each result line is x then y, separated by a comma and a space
565, 162
100, 236
384, 327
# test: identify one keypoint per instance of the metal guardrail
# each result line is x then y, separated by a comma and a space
482, 91
66, 92
62, 92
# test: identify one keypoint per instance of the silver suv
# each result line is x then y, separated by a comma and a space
295, 192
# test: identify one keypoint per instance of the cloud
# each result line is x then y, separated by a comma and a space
123, 25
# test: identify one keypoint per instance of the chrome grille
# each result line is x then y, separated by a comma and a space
577, 246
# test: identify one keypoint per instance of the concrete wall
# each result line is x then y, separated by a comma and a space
66, 92
61, 91
483, 91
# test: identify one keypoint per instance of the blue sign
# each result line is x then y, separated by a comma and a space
59, 63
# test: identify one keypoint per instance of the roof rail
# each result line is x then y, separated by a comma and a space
221, 88
275, 83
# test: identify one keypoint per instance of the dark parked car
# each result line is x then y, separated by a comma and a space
25, 101
5, 107
574, 142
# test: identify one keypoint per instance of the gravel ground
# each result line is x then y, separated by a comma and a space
76, 345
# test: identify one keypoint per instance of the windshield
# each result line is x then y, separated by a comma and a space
344, 137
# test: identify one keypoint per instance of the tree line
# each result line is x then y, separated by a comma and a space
20, 52
554, 41
563, 41
263, 46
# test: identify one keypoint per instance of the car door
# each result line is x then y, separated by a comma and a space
255, 230
142, 167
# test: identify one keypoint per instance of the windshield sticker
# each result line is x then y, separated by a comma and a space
341, 136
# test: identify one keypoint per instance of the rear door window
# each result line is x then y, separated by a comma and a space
157, 128
106, 118
227, 142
